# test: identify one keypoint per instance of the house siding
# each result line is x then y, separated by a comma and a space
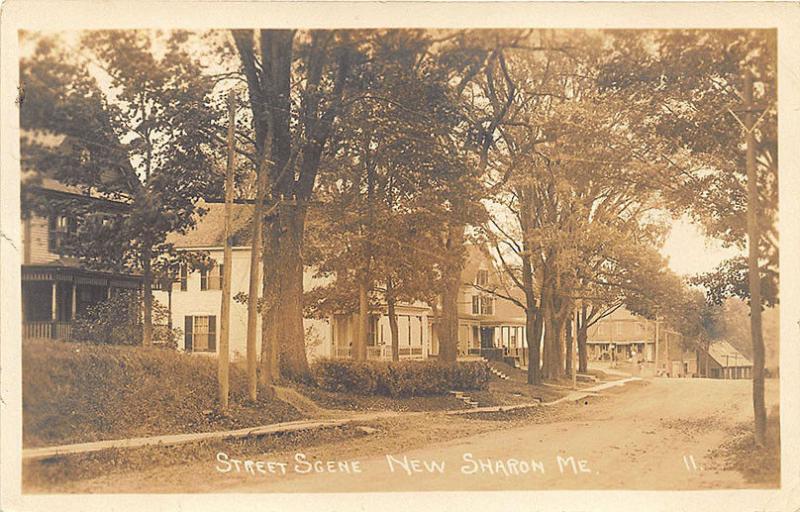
196, 302
36, 249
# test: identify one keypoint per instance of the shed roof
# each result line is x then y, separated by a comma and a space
727, 356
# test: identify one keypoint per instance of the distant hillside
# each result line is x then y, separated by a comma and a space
735, 328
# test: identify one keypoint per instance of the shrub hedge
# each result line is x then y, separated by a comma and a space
399, 379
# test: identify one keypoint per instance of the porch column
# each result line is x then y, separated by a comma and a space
74, 300
108, 291
54, 301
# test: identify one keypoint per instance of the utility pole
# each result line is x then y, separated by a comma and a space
262, 184
753, 236
574, 353
656, 340
225, 313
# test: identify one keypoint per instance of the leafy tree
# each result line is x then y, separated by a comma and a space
390, 180
700, 76
147, 122
296, 84
117, 321
577, 195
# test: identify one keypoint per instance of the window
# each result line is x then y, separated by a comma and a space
487, 306
212, 279
482, 305
200, 333
181, 278
59, 227
483, 278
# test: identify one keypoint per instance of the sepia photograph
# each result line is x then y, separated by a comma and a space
371, 260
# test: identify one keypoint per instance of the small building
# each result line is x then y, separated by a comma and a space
723, 361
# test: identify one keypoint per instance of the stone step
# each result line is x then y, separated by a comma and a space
498, 373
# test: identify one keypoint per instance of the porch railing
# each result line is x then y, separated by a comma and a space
46, 330
341, 352
381, 352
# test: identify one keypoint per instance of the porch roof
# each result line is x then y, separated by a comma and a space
504, 322
623, 342
47, 273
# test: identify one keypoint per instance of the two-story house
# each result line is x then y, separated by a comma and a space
486, 322
56, 288
624, 336
195, 297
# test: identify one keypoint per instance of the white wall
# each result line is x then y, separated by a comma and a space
194, 302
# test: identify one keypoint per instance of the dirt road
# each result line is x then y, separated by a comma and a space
646, 436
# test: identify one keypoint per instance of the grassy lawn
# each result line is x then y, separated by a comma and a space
74, 392
357, 402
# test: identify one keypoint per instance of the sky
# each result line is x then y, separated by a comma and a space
691, 252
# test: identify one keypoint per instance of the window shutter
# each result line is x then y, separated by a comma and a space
187, 333
212, 333
184, 278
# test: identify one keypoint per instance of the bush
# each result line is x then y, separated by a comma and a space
117, 321
399, 379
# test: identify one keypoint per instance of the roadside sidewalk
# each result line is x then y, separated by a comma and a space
575, 395
29, 454
175, 439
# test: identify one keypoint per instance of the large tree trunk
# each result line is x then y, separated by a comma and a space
533, 335
570, 346
392, 314
552, 366
583, 359
147, 277
448, 325
360, 348
582, 337
289, 304
547, 345
533, 318
270, 370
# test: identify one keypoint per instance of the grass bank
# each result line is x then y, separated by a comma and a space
74, 392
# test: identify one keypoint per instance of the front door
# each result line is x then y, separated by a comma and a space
487, 337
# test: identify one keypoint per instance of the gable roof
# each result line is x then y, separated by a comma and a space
209, 232
726, 355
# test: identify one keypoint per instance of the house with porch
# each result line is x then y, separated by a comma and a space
56, 288
487, 324
623, 336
